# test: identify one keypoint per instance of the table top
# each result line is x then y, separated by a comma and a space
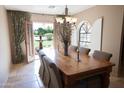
69, 66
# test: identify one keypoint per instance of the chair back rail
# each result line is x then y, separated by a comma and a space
102, 56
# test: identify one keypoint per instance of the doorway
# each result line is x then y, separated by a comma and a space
45, 30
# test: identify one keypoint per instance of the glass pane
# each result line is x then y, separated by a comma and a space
85, 37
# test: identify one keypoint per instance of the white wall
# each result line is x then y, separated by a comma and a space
42, 18
96, 33
5, 55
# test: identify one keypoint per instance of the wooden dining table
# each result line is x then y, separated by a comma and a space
73, 71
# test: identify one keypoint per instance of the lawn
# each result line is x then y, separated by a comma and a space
45, 43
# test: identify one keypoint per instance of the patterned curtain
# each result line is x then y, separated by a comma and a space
18, 20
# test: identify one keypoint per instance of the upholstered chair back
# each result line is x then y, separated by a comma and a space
42, 65
103, 56
55, 78
84, 51
73, 48
73, 51
37, 49
46, 75
41, 54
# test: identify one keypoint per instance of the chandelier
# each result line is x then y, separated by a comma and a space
66, 18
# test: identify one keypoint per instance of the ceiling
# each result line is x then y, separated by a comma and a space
49, 9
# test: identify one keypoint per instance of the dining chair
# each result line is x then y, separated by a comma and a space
46, 75
42, 65
101, 55
84, 51
55, 77
37, 49
73, 48
72, 51
41, 53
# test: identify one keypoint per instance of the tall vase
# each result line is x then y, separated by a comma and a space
66, 49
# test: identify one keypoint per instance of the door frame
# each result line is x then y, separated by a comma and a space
28, 50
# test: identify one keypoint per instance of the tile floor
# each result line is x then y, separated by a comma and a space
116, 82
26, 76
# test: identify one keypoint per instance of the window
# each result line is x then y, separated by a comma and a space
85, 34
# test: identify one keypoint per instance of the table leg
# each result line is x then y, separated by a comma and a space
105, 80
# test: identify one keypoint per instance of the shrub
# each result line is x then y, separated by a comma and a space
49, 36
